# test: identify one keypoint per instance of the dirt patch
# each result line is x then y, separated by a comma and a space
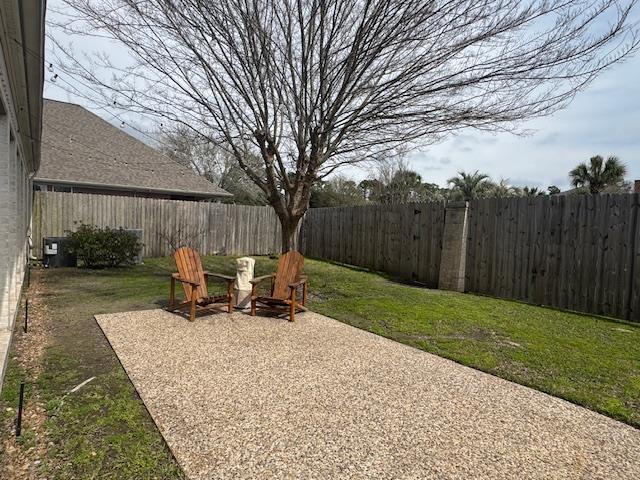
22, 456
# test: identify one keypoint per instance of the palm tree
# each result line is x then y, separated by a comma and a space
470, 184
531, 192
598, 174
501, 189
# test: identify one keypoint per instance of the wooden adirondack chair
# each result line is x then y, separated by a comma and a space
194, 282
284, 286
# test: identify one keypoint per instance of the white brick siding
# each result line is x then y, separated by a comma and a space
15, 215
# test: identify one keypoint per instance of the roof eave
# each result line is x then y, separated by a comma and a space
33, 39
108, 186
22, 45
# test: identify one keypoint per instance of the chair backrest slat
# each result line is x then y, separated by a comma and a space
190, 267
290, 267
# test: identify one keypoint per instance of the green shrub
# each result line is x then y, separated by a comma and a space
99, 247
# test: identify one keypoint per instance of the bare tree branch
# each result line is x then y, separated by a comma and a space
311, 85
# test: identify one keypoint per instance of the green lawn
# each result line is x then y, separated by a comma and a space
104, 430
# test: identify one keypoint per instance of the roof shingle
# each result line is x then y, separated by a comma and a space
80, 147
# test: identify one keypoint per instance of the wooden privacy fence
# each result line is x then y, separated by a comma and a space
576, 252
404, 240
209, 227
579, 252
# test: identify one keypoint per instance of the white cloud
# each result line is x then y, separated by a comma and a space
604, 119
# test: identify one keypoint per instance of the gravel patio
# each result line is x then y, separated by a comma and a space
257, 397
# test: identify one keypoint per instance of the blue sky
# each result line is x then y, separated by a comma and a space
604, 119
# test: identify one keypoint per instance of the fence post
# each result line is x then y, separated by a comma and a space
454, 247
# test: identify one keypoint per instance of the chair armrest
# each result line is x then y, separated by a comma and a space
257, 280
220, 276
298, 283
184, 280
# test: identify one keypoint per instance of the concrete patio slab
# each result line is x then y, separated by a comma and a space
253, 397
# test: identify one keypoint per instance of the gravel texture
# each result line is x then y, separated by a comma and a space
256, 397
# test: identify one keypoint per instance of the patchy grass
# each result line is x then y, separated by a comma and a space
104, 431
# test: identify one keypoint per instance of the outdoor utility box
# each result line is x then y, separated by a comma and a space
137, 232
55, 252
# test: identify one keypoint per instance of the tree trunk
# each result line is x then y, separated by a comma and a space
289, 233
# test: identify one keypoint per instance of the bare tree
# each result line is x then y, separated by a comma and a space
182, 235
189, 149
311, 85
385, 169
406, 186
213, 162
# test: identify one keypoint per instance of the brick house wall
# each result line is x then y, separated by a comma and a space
15, 216
21, 81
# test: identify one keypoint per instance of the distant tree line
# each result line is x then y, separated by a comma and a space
395, 183
392, 181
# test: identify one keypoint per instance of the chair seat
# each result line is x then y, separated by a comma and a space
212, 299
272, 301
